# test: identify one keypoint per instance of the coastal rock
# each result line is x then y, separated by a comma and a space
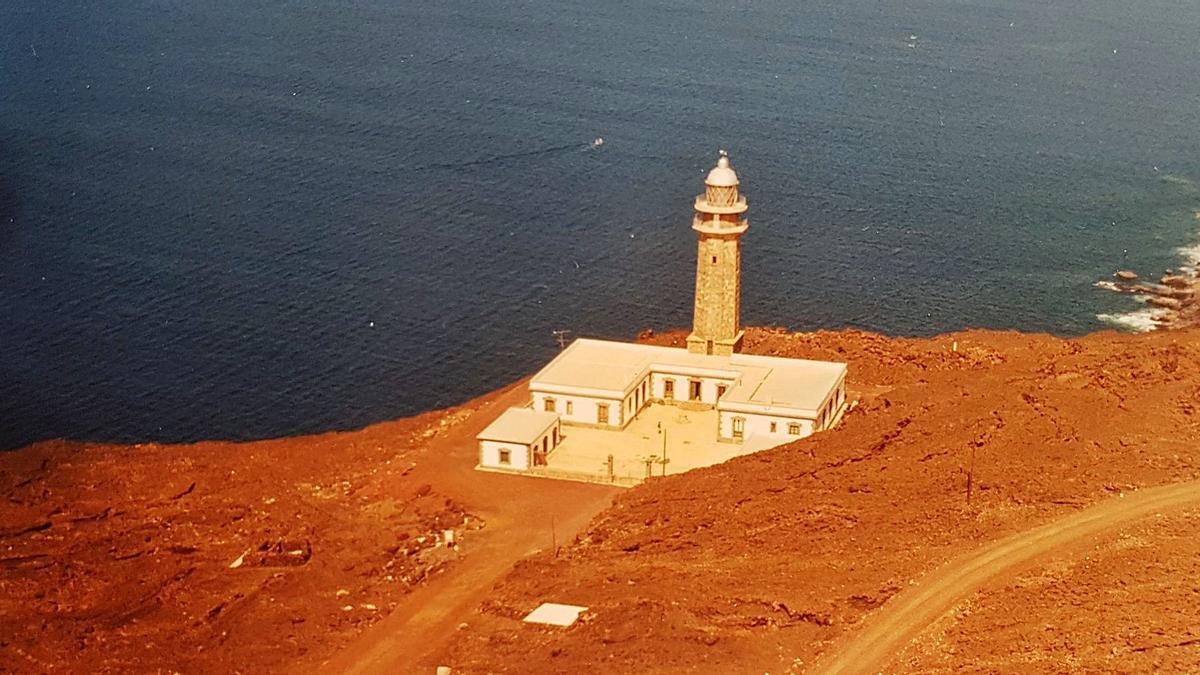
1126, 275
1143, 289
1176, 281
1165, 303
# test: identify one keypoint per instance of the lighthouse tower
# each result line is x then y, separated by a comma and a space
720, 222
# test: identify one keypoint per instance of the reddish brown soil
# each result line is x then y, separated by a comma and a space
117, 559
762, 563
111, 561
887, 631
1130, 604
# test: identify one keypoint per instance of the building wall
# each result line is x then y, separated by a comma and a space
760, 425
489, 455
636, 400
708, 387
832, 407
583, 409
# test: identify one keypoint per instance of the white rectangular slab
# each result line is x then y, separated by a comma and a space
554, 614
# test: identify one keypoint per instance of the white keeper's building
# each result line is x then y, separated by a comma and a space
606, 384
760, 401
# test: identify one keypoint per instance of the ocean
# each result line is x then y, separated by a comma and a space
260, 218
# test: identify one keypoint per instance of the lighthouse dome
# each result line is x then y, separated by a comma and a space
722, 174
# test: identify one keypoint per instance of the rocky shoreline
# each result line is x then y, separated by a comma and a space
1174, 301
1175, 297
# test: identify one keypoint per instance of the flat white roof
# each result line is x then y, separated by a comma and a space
596, 364
518, 425
762, 381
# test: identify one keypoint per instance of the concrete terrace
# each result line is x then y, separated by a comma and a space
691, 443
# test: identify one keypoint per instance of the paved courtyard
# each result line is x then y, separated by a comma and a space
691, 443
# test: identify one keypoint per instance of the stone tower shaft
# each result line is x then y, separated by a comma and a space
719, 223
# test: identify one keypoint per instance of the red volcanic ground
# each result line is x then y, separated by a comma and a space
119, 558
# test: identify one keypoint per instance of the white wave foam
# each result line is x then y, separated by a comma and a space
1141, 321
1191, 254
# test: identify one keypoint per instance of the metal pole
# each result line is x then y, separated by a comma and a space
665, 460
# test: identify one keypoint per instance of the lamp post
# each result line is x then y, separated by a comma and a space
663, 431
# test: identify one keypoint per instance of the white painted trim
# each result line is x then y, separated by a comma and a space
577, 391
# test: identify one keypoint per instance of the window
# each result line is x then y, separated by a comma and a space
714, 260
545, 443
721, 391
602, 413
570, 407
773, 425
694, 390
549, 405
794, 429
668, 389
739, 427
505, 456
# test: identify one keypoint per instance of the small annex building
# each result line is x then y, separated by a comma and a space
760, 401
520, 438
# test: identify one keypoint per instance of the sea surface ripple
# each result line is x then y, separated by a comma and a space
248, 219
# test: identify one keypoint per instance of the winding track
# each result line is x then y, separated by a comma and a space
893, 626
523, 515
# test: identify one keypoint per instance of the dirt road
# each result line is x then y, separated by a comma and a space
522, 516
888, 631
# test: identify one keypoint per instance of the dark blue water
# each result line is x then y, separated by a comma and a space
256, 218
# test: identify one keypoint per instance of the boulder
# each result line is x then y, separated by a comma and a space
1126, 275
1177, 281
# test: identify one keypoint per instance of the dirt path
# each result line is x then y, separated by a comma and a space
888, 631
522, 516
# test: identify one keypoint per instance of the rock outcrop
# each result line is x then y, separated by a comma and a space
1173, 297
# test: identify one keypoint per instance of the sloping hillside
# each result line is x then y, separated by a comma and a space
756, 565
761, 563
